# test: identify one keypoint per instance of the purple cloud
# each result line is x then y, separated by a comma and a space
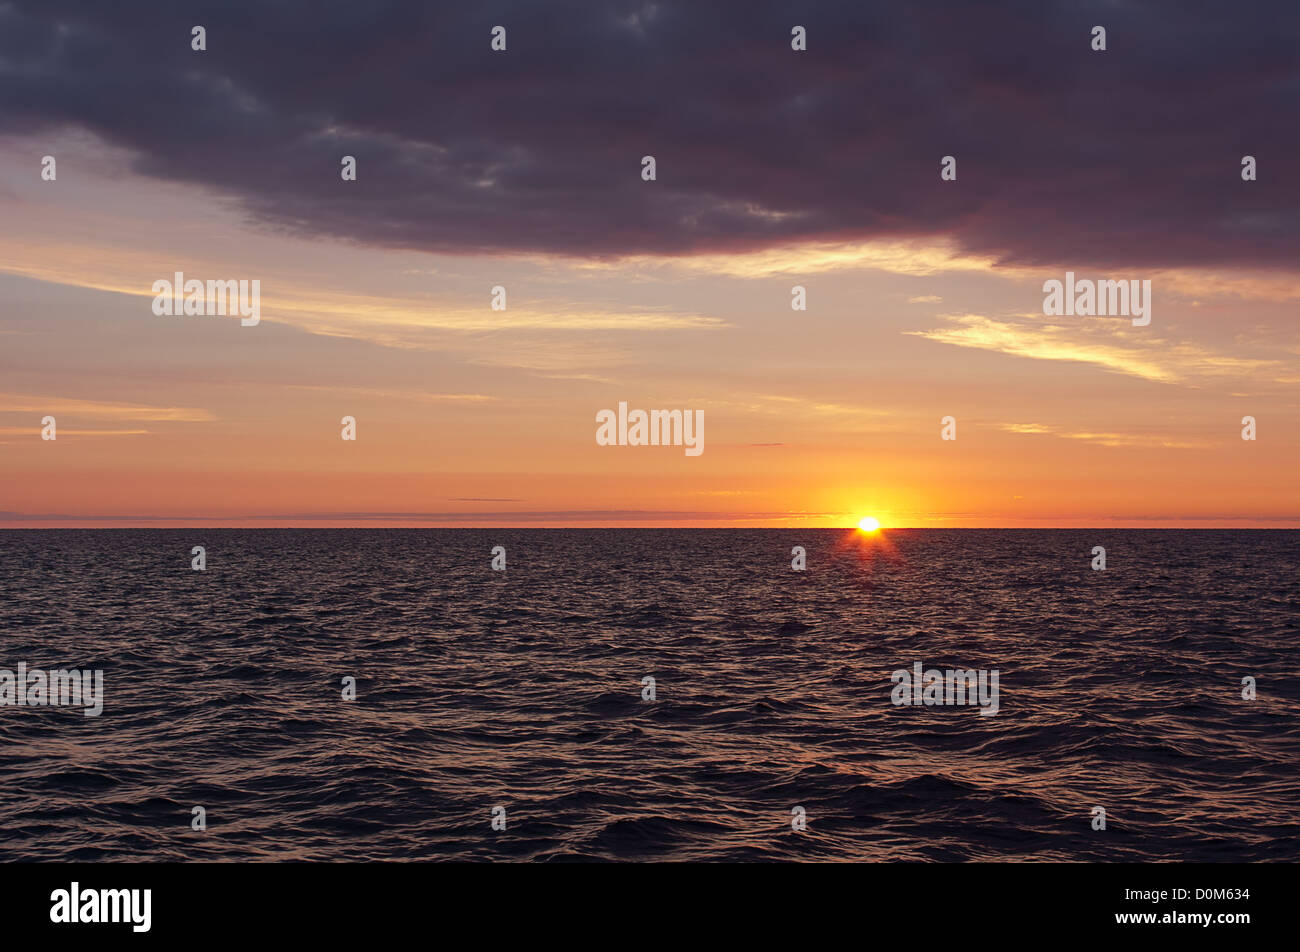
1124, 158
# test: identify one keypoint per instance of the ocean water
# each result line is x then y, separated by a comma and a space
522, 690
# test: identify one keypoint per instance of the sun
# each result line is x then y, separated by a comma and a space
869, 524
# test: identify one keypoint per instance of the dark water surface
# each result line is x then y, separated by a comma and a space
1119, 688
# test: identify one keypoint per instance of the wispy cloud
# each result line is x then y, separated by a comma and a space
1101, 438
912, 257
407, 396
509, 517
27, 403
1101, 342
35, 431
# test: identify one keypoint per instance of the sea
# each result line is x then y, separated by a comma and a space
652, 695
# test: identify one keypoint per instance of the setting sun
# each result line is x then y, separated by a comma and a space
869, 524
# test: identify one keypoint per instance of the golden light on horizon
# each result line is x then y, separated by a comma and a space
869, 524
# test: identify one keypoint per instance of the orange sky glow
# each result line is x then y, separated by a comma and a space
472, 417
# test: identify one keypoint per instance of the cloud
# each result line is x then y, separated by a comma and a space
23, 403
1097, 341
403, 396
502, 517
1127, 157
33, 431
1103, 439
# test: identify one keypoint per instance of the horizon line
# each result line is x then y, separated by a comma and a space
536, 528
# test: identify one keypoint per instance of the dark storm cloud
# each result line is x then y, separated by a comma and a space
1129, 157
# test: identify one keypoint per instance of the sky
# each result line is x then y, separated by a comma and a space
774, 168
